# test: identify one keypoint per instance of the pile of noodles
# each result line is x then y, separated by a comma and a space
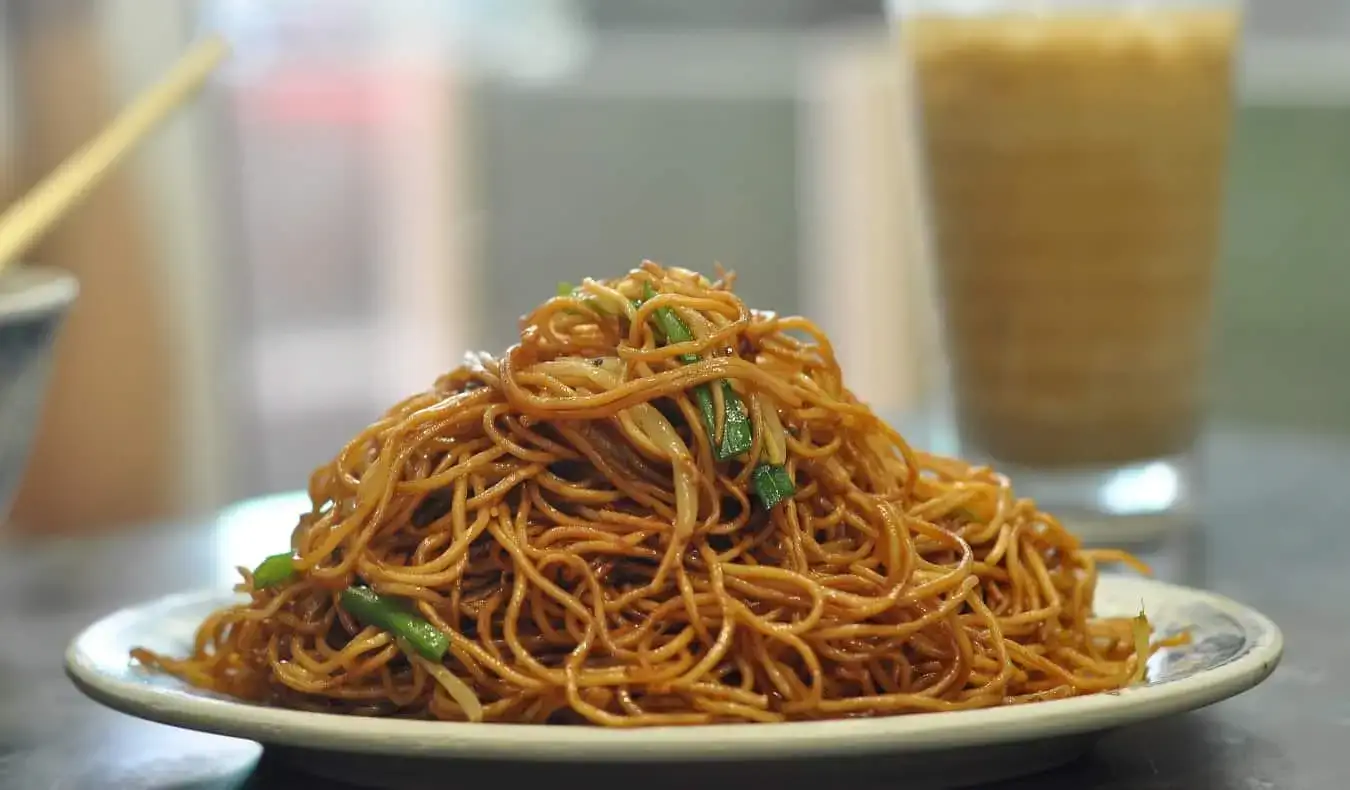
559, 513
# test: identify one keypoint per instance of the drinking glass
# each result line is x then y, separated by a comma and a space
1073, 154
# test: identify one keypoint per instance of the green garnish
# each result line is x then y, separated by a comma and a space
274, 570
391, 615
703, 397
737, 435
772, 484
670, 325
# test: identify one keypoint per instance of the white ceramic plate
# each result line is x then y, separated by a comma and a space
1233, 649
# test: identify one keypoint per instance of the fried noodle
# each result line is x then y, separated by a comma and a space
561, 516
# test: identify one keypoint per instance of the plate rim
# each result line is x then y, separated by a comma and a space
904, 734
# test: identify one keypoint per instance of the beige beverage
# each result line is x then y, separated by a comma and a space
1075, 166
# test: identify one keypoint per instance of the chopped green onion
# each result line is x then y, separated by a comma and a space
274, 570
737, 435
703, 396
772, 484
669, 324
390, 615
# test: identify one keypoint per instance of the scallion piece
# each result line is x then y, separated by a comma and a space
737, 435
772, 484
391, 615
274, 570
670, 325
703, 397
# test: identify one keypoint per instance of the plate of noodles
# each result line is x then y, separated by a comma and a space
661, 527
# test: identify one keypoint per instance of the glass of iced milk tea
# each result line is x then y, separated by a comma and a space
1073, 153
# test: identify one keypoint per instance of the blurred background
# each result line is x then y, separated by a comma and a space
372, 187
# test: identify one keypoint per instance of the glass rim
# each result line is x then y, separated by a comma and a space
897, 9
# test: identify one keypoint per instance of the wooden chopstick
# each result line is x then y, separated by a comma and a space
33, 215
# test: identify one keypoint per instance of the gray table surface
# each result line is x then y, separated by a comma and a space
1273, 534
